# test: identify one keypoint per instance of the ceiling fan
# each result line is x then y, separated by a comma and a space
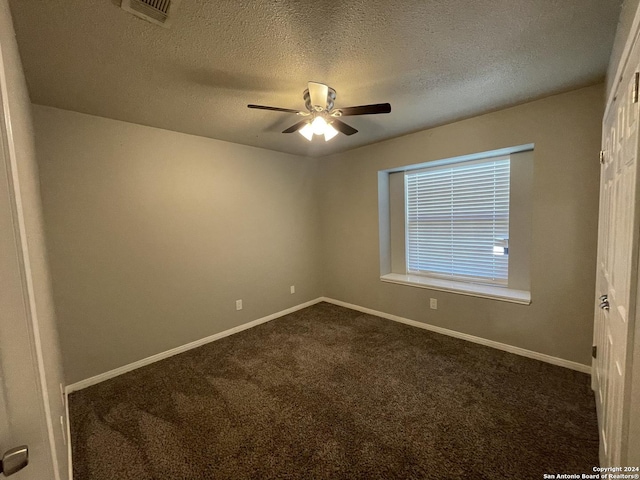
321, 118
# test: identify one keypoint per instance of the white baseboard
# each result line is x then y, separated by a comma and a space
470, 338
183, 348
444, 331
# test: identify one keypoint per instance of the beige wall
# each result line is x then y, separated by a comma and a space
43, 333
154, 234
566, 132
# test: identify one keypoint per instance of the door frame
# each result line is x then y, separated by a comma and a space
9, 162
624, 59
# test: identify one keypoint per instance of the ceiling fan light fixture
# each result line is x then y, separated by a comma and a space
306, 131
319, 125
329, 132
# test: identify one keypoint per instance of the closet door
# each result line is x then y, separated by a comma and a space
617, 266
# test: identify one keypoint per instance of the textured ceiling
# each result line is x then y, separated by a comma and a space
434, 60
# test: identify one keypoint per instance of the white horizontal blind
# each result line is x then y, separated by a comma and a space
455, 215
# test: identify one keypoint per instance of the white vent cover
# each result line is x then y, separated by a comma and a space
160, 12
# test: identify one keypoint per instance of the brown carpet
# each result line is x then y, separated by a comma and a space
330, 393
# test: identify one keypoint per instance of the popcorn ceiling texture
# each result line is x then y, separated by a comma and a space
331, 393
434, 61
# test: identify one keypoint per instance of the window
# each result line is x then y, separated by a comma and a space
457, 221
460, 225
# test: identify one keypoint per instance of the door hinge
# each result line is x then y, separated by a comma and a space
636, 85
601, 157
594, 351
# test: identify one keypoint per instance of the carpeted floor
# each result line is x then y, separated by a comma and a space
330, 393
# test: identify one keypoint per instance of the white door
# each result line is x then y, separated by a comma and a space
22, 416
617, 266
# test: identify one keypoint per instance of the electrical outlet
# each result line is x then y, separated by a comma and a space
433, 303
238, 304
293, 289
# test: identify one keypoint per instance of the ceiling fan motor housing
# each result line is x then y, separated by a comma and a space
331, 97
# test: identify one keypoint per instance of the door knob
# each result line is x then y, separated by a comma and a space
604, 305
14, 460
604, 297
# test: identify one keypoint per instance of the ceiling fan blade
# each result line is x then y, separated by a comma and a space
366, 109
343, 127
274, 109
296, 127
318, 94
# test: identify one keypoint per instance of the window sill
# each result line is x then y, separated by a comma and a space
483, 291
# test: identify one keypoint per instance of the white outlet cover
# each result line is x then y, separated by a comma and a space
293, 289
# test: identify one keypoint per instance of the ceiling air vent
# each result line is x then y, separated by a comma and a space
159, 12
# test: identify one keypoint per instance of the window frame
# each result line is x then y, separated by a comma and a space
392, 237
